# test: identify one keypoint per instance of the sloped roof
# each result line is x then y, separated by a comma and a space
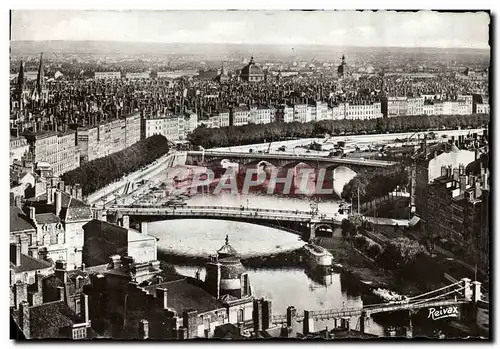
47, 319
183, 295
47, 218
29, 264
19, 221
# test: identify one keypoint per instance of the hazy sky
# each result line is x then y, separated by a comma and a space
344, 28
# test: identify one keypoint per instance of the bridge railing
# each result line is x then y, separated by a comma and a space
224, 208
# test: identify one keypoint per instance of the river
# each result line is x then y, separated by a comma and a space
284, 287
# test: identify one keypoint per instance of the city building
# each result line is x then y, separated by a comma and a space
415, 106
18, 146
108, 137
107, 75
252, 72
260, 115
58, 217
103, 239
143, 75
458, 211
394, 106
427, 166
366, 111
239, 116
55, 148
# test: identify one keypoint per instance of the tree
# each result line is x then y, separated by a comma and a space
400, 252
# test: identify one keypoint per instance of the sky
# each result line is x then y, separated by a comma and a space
336, 28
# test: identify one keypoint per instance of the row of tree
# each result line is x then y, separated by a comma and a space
374, 185
260, 133
98, 173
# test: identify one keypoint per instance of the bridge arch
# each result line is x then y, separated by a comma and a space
340, 175
302, 229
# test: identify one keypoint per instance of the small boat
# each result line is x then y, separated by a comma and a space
318, 257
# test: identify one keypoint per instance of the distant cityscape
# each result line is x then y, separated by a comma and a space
111, 146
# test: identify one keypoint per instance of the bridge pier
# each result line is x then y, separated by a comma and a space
126, 222
312, 233
144, 228
409, 329
467, 291
308, 324
345, 323
291, 313
363, 321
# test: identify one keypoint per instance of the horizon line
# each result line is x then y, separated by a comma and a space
263, 44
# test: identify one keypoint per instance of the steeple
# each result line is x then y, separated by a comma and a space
251, 61
343, 60
39, 80
20, 78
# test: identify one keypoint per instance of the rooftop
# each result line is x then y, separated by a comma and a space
47, 319
29, 264
47, 218
19, 221
184, 295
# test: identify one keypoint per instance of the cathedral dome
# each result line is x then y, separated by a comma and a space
252, 72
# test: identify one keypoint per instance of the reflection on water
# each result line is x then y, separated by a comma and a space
286, 287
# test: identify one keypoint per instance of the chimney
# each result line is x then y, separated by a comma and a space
15, 254
58, 203
50, 195
127, 261
443, 171
60, 271
182, 333
24, 318
84, 307
266, 314
67, 189
114, 261
61, 185
291, 312
79, 193
478, 191
61, 293
82, 267
161, 295
32, 214
257, 315
463, 183
144, 329
455, 174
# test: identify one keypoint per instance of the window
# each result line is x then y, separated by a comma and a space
79, 333
240, 315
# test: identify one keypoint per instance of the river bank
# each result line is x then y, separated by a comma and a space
352, 262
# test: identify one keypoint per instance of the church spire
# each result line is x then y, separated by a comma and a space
39, 80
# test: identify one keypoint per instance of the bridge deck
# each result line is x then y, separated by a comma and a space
333, 160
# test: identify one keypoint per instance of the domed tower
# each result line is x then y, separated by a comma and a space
342, 69
252, 72
226, 276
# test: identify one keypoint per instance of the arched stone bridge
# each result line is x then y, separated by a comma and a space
285, 160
